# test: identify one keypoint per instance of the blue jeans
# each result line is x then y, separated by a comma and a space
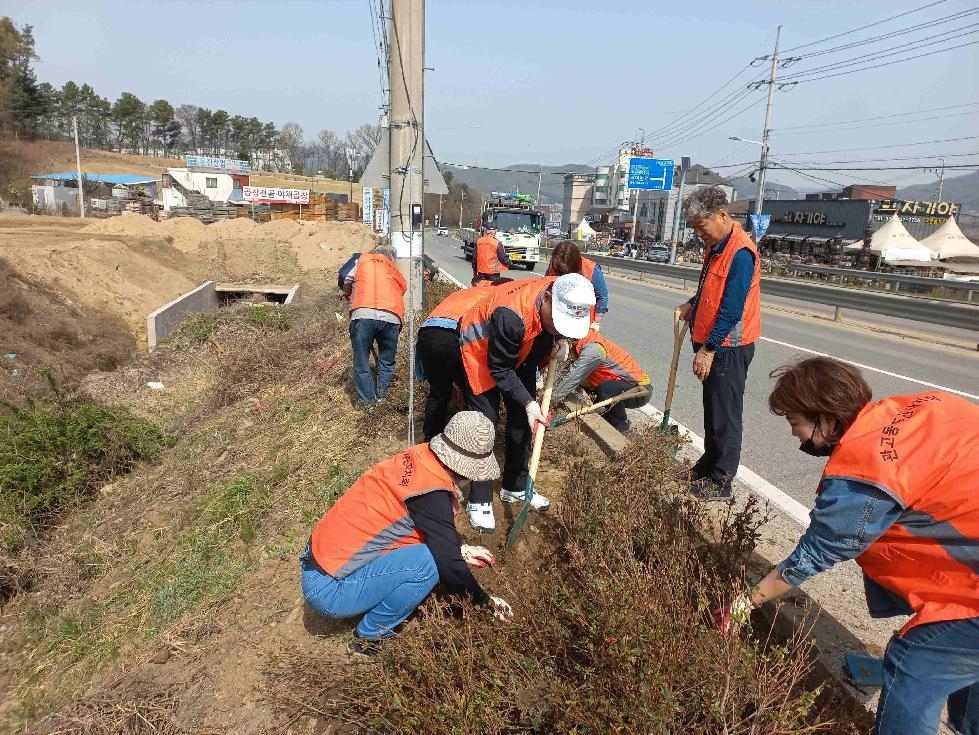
363, 334
932, 663
388, 589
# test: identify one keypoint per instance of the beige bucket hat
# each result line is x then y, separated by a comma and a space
465, 446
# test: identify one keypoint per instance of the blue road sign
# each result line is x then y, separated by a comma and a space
759, 224
650, 173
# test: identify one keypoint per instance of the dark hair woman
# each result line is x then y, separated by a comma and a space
899, 495
567, 258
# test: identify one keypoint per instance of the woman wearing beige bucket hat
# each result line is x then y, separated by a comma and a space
391, 536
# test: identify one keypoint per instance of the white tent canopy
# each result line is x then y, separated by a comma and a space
949, 242
892, 242
584, 231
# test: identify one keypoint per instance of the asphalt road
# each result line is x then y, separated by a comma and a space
894, 355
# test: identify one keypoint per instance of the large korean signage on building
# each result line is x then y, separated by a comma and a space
915, 212
224, 164
272, 195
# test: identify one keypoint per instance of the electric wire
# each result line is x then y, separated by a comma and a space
890, 63
780, 132
882, 147
863, 28
879, 117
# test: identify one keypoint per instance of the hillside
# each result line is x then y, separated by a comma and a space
552, 182
961, 189
19, 160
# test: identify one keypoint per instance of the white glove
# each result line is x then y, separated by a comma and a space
501, 609
561, 350
535, 416
597, 326
734, 615
478, 556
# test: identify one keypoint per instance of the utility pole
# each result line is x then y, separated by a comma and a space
677, 214
462, 205
763, 163
635, 209
941, 179
78, 168
406, 76
540, 176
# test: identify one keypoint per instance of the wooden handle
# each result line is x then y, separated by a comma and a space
541, 429
678, 332
631, 393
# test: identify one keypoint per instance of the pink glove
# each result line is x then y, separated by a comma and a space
734, 615
477, 556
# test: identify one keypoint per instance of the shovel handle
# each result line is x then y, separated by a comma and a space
631, 393
540, 429
679, 329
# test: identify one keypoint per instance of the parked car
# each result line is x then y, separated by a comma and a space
442, 232
658, 254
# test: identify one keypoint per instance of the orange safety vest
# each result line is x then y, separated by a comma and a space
617, 364
522, 297
459, 302
371, 518
487, 261
378, 284
748, 328
921, 450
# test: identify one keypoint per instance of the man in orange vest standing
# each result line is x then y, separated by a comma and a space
490, 258
607, 369
391, 537
725, 322
502, 340
900, 496
377, 309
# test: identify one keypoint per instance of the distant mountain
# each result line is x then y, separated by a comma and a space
522, 176
961, 189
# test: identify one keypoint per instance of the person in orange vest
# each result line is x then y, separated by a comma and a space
490, 258
437, 348
725, 322
502, 341
900, 495
567, 258
376, 290
391, 537
606, 369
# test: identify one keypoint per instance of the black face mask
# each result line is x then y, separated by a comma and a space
809, 448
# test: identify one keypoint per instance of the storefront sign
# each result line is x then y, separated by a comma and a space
922, 209
807, 218
225, 164
275, 196
368, 205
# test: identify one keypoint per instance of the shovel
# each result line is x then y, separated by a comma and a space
679, 329
545, 406
636, 392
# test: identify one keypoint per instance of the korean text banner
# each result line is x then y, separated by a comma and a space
275, 196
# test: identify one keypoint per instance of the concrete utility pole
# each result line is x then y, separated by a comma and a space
941, 179
677, 213
406, 77
763, 163
462, 204
78, 168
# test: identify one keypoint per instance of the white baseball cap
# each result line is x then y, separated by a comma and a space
572, 299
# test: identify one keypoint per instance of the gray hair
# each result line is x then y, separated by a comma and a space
387, 251
704, 202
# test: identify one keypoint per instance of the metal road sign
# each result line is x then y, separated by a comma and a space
759, 224
650, 173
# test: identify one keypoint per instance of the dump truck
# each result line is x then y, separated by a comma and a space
518, 227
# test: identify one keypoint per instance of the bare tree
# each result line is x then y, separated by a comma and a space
334, 157
187, 116
362, 143
291, 139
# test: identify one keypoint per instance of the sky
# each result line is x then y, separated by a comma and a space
555, 82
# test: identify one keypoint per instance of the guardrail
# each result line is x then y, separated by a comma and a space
919, 308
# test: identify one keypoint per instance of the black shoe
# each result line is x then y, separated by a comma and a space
365, 647
707, 489
624, 427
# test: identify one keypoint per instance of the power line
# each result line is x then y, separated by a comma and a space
873, 160
882, 117
891, 63
877, 125
863, 28
888, 168
883, 147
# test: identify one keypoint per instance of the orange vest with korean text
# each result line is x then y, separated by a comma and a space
617, 365
748, 328
459, 302
371, 518
523, 298
486, 256
378, 284
922, 450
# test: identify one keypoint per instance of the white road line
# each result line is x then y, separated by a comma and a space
759, 485
876, 370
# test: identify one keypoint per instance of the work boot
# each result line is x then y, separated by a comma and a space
481, 517
711, 491
367, 648
537, 502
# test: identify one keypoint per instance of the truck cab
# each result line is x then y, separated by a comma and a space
518, 227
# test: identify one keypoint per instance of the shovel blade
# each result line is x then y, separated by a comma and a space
521, 519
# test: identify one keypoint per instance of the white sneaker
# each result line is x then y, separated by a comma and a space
537, 502
481, 517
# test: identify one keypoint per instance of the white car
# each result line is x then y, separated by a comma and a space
442, 232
